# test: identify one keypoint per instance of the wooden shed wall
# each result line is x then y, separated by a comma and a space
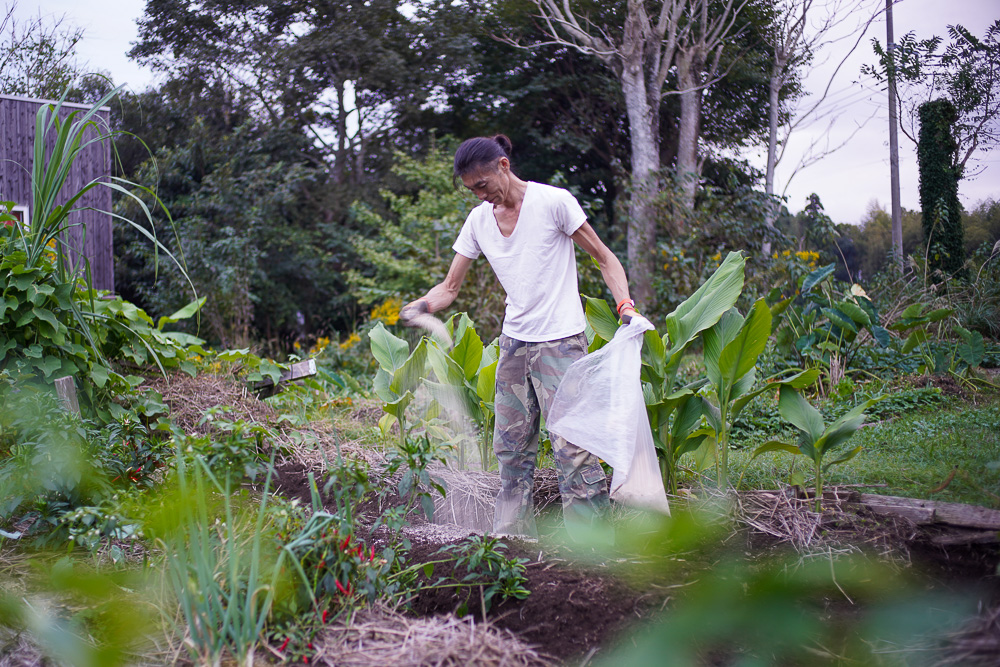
17, 138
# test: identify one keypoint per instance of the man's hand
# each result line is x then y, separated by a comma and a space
627, 314
412, 310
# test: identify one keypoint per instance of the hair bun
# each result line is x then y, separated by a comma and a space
504, 141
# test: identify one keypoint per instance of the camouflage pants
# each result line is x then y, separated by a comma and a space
528, 375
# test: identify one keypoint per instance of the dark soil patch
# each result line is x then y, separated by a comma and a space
948, 385
577, 607
570, 612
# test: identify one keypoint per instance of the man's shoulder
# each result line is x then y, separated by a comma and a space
550, 191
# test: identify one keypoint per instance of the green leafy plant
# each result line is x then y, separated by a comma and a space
817, 440
400, 373
53, 310
216, 565
914, 322
674, 410
488, 569
815, 327
466, 383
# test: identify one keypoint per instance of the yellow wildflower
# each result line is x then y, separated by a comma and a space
388, 311
351, 341
319, 346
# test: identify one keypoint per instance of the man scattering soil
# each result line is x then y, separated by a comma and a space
526, 230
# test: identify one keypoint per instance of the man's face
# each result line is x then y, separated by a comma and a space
490, 184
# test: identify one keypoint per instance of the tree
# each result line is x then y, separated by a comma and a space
37, 57
966, 72
939, 175
641, 43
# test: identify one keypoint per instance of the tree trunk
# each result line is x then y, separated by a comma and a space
774, 88
688, 171
645, 165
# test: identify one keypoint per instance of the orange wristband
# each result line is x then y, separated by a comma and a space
623, 302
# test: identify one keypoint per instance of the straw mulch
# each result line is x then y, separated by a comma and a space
384, 637
845, 525
471, 496
189, 398
976, 645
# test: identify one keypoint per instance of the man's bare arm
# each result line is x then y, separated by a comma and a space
443, 294
611, 268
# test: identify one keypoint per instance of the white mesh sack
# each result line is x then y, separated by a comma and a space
599, 407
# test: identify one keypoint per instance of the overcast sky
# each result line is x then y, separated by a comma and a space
848, 180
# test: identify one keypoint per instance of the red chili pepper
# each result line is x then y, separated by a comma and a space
325, 613
284, 644
341, 588
372, 558
347, 540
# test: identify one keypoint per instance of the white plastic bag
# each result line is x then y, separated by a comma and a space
599, 407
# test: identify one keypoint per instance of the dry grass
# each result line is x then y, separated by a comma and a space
383, 637
976, 645
189, 398
471, 496
844, 526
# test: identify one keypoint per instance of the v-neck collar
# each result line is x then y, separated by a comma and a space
517, 223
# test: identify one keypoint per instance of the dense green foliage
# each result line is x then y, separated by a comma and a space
942, 221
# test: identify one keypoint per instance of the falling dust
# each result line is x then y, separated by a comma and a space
471, 488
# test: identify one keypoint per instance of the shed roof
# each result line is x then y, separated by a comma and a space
40, 101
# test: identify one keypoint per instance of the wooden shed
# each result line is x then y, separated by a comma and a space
17, 138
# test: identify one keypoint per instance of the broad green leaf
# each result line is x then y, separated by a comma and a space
46, 315
816, 277
843, 459
706, 455
841, 319
715, 341
600, 317
689, 412
939, 314
468, 352
798, 412
971, 349
445, 368
184, 313
913, 340
709, 303
49, 365
380, 384
490, 355
775, 446
486, 384
881, 336
654, 351
913, 311
398, 407
855, 312
390, 352
802, 379
408, 376
740, 356
99, 375
841, 430
689, 444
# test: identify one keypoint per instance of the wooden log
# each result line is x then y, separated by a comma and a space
296, 371
66, 391
957, 536
927, 512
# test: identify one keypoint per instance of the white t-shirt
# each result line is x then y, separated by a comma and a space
536, 265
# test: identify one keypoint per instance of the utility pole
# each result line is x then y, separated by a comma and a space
897, 213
